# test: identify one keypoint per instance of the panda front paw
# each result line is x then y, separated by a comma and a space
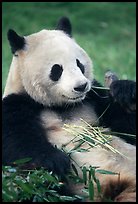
124, 93
58, 162
55, 161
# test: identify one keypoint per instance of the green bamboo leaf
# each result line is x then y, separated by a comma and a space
52, 198
87, 138
50, 177
67, 198
8, 195
92, 172
75, 170
78, 145
84, 171
24, 186
91, 190
22, 161
102, 171
98, 185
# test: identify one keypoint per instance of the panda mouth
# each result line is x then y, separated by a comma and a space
75, 98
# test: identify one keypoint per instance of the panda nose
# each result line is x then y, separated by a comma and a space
81, 88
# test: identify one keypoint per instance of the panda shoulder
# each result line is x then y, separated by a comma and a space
19, 103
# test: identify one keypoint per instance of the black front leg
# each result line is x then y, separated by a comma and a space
51, 158
121, 115
23, 136
123, 92
116, 107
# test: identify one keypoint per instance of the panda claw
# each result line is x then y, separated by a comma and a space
109, 77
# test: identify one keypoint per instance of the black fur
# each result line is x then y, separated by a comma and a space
23, 136
80, 65
56, 72
123, 98
124, 92
65, 25
116, 117
16, 42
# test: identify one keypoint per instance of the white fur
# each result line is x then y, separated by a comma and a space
104, 158
123, 163
42, 51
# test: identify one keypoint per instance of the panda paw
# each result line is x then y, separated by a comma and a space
124, 93
58, 162
55, 161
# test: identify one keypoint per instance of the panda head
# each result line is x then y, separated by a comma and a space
53, 68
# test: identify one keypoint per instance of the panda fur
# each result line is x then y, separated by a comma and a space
49, 85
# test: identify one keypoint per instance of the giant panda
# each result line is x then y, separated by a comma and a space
51, 83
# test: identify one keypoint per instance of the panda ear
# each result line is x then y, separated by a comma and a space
65, 25
16, 42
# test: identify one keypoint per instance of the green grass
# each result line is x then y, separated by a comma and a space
107, 31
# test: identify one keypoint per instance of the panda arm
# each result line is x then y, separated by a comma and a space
118, 105
23, 136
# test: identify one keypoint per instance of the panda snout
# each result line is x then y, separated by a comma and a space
81, 88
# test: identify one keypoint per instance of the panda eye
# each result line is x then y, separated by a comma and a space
56, 72
80, 65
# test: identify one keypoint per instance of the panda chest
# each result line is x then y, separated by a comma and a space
54, 123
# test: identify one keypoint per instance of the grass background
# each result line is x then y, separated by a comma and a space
106, 30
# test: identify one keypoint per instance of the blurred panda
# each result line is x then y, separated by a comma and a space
51, 83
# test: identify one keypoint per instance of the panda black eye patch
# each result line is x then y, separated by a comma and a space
56, 72
80, 65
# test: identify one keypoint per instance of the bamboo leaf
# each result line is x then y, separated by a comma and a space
22, 161
75, 170
102, 171
98, 185
91, 190
84, 170
92, 171
24, 186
